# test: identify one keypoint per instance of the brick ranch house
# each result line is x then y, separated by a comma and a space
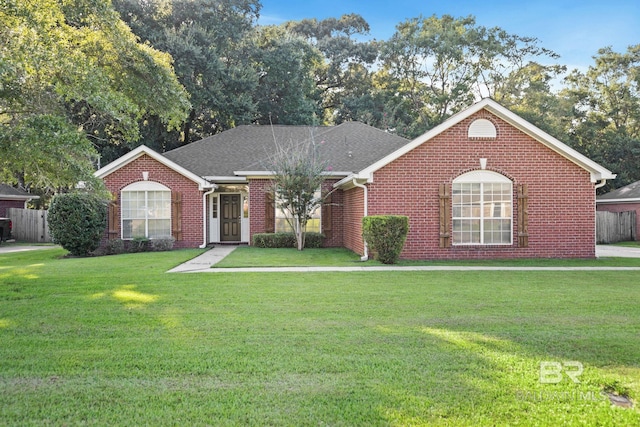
483, 184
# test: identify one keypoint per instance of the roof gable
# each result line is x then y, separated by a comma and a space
144, 150
597, 171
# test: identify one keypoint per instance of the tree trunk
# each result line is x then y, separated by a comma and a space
299, 232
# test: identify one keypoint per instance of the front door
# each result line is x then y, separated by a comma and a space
231, 217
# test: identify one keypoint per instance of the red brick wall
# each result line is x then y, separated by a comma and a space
6, 204
191, 197
258, 190
352, 219
623, 207
334, 237
561, 196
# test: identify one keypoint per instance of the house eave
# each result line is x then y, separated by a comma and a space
271, 174
142, 150
18, 198
617, 201
226, 179
349, 182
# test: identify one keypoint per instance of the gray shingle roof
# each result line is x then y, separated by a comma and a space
348, 147
631, 191
14, 193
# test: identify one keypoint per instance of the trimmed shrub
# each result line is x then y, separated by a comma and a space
77, 222
138, 244
314, 240
385, 235
113, 247
286, 240
164, 244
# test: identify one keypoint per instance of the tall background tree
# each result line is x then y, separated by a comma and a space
80, 81
209, 41
605, 115
286, 93
441, 65
66, 69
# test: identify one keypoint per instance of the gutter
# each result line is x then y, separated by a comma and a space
364, 257
601, 183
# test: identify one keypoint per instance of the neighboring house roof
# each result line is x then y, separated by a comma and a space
627, 194
597, 171
144, 150
7, 192
244, 150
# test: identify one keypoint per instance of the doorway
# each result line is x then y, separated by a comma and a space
230, 217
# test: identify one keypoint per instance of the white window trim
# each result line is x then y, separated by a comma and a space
144, 186
484, 177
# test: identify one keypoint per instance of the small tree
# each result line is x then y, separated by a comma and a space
298, 175
77, 221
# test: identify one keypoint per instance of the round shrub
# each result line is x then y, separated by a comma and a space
77, 222
386, 235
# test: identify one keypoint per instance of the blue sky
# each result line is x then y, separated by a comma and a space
574, 29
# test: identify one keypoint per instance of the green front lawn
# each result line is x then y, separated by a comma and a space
117, 341
251, 256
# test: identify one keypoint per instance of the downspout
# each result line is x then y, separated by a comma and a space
204, 216
364, 257
598, 185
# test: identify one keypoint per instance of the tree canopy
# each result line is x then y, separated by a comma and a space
73, 75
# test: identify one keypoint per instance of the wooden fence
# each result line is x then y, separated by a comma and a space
612, 227
29, 225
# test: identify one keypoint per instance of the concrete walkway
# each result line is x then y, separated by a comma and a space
203, 263
607, 251
6, 248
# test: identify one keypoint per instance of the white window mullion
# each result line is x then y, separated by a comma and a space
146, 213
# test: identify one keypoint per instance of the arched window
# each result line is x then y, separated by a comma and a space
146, 210
482, 207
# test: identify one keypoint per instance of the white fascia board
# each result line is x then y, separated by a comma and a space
142, 150
597, 171
615, 201
348, 182
344, 181
269, 174
18, 198
254, 174
226, 179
